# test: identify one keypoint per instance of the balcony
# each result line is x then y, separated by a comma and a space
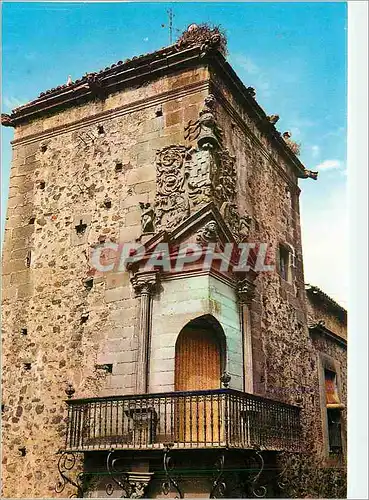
221, 418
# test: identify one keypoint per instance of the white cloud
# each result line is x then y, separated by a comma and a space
247, 64
324, 235
315, 150
259, 78
146, 39
328, 165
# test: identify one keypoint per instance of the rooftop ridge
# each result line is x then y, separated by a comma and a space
316, 291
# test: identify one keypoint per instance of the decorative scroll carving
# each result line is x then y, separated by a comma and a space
147, 218
171, 203
66, 463
225, 178
208, 233
133, 484
219, 486
169, 480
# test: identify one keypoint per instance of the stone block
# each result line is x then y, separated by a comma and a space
129, 234
114, 280
20, 277
161, 378
145, 188
25, 290
123, 333
172, 105
122, 317
120, 382
161, 353
133, 218
153, 125
135, 199
126, 356
12, 266
115, 294
161, 365
126, 368
23, 232
142, 174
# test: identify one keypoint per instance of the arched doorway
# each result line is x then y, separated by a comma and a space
199, 362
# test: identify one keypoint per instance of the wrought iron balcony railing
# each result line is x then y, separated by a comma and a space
196, 419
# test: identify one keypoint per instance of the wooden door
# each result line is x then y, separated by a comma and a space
198, 367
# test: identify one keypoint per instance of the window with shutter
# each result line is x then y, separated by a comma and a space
333, 412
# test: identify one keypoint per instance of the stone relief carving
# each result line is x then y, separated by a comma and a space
147, 218
188, 177
205, 129
171, 203
208, 233
224, 178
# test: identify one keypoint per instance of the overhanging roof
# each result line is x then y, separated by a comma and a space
147, 67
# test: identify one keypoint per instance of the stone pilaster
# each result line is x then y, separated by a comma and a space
246, 289
145, 285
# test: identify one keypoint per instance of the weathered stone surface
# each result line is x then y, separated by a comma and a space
81, 169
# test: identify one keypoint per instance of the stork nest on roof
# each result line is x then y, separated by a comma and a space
204, 35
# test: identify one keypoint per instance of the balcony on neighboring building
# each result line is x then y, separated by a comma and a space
219, 418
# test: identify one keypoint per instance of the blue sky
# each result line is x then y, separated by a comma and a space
294, 54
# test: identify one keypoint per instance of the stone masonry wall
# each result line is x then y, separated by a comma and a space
179, 302
89, 167
283, 354
93, 163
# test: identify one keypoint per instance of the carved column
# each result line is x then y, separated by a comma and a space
246, 289
145, 285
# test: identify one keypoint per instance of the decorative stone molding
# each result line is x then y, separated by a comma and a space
145, 283
133, 484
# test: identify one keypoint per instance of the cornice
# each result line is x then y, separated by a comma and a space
218, 62
151, 101
320, 329
110, 80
